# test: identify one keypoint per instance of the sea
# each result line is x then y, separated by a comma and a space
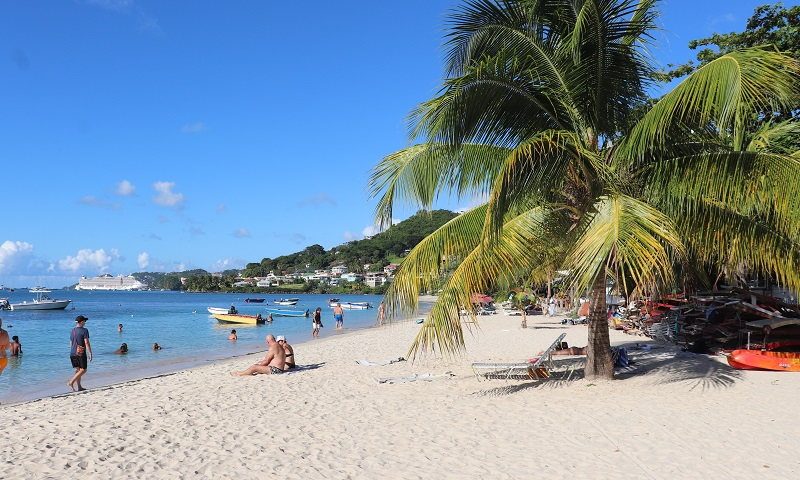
178, 321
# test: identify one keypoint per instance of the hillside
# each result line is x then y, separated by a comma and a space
378, 251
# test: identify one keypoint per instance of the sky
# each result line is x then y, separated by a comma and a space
144, 135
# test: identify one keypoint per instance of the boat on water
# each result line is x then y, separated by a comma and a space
213, 310
4, 305
281, 312
253, 300
242, 319
352, 305
41, 301
286, 301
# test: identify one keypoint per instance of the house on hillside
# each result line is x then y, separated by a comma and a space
390, 269
374, 279
352, 277
338, 270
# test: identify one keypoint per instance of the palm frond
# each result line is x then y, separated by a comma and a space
521, 248
721, 93
625, 238
419, 173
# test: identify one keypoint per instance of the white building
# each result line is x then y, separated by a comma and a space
373, 279
109, 282
338, 270
352, 277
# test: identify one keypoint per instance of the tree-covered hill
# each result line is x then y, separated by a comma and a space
378, 251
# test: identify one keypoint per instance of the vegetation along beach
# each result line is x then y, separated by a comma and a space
581, 256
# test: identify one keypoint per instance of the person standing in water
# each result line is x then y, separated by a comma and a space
233, 335
119, 328
316, 322
16, 346
80, 353
338, 315
381, 314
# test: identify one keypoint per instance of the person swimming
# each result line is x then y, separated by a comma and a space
233, 335
156, 346
123, 349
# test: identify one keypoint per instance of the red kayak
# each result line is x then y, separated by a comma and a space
765, 360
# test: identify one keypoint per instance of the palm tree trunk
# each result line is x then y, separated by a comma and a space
598, 350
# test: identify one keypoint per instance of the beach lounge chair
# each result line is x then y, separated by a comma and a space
536, 369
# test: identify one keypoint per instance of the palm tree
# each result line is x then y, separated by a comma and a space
538, 115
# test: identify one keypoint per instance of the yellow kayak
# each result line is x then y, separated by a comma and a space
248, 319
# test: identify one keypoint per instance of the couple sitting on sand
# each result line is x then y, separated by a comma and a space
279, 358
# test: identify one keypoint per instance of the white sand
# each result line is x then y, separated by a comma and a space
681, 416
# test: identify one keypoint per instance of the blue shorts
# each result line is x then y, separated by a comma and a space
338, 318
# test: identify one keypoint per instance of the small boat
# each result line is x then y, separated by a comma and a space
245, 319
253, 300
286, 301
4, 305
42, 301
352, 305
213, 310
279, 312
765, 360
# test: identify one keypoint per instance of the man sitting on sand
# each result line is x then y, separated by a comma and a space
273, 363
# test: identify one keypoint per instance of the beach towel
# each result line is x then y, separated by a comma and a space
367, 363
424, 377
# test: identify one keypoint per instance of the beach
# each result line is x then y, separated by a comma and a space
671, 415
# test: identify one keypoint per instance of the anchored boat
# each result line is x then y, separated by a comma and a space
245, 319
41, 301
280, 312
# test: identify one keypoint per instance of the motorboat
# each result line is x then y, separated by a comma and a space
253, 300
222, 311
286, 301
352, 305
243, 319
280, 312
41, 301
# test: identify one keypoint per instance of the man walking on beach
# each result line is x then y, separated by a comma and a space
80, 353
338, 315
273, 363
3, 347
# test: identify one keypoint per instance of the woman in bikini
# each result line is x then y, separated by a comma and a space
289, 352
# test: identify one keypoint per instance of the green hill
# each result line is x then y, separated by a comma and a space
378, 251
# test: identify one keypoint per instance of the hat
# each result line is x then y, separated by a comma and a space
80, 318
279, 338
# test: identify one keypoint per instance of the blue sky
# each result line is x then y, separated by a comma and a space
152, 135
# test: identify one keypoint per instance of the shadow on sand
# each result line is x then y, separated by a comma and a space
665, 365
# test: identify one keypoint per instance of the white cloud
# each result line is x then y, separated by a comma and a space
143, 260
195, 127
125, 188
350, 236
165, 196
241, 233
12, 252
86, 258
227, 264
372, 230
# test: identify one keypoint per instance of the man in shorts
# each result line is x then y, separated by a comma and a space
80, 353
338, 315
273, 363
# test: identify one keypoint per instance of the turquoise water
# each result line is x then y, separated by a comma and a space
179, 322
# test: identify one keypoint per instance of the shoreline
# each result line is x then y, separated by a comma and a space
335, 420
163, 368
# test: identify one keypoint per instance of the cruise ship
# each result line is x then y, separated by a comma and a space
110, 282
